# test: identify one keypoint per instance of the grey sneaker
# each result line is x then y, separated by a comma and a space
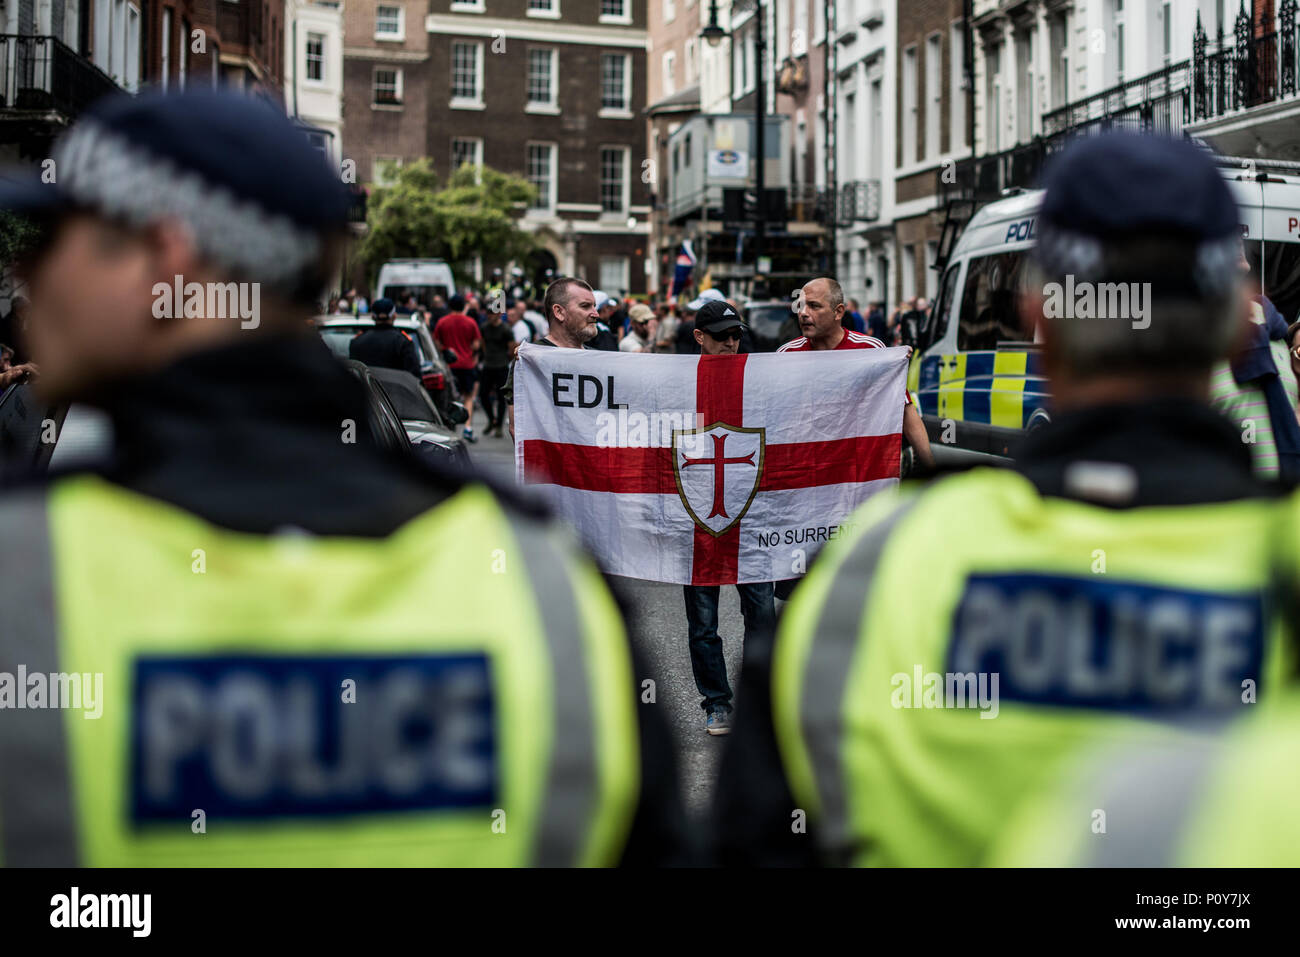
718, 722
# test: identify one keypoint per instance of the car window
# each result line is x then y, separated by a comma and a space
988, 302
409, 399
338, 340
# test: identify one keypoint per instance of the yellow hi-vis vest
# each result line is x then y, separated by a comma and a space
1227, 800
459, 693
955, 648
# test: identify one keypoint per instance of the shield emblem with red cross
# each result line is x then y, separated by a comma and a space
718, 469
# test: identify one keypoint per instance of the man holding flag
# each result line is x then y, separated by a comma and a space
717, 330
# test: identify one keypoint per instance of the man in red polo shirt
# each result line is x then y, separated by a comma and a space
820, 308
459, 333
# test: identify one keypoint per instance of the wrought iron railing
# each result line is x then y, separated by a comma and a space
1157, 102
43, 73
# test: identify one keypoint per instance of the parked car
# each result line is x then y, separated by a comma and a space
771, 324
428, 432
339, 331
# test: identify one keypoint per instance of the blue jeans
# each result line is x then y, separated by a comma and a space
707, 661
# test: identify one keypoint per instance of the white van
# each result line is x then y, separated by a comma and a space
978, 379
422, 278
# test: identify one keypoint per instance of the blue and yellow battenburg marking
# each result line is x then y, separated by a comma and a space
989, 388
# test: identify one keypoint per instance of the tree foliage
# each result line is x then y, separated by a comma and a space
17, 235
473, 215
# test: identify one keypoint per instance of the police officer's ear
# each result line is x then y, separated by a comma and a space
173, 249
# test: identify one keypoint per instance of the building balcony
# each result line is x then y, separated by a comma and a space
42, 75
1240, 94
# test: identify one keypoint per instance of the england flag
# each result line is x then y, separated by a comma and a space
708, 470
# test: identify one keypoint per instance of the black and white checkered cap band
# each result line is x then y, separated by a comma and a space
102, 170
1214, 273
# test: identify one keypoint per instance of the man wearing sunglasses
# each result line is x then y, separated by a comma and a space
717, 330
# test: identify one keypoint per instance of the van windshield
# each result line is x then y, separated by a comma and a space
423, 294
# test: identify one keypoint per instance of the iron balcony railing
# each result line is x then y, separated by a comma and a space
1157, 102
42, 73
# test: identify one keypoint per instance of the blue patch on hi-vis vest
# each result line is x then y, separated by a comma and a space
1099, 643
258, 737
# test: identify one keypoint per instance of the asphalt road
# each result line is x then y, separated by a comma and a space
658, 626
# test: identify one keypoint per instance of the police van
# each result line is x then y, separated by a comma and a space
978, 378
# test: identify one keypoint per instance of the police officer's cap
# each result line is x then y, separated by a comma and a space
255, 193
1127, 186
381, 307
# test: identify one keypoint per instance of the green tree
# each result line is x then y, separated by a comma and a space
17, 235
473, 215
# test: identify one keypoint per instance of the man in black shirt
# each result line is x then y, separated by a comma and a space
497, 340
385, 345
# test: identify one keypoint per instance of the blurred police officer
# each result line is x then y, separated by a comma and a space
300, 661
385, 345
968, 637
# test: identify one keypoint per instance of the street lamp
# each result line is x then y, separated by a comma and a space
713, 34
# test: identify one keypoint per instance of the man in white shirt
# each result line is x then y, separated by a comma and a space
638, 337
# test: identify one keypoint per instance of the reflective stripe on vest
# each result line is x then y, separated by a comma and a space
571, 779
36, 821
821, 706
1148, 795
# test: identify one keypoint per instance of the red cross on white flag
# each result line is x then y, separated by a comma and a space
708, 470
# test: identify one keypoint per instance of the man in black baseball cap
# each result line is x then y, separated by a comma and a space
718, 328
385, 345
1065, 581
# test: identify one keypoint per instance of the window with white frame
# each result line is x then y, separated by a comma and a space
613, 179
909, 105
542, 63
185, 51
466, 73
540, 171
615, 82
467, 6
691, 64
670, 10
466, 150
315, 48
387, 86
669, 73
614, 275
390, 22
131, 50
956, 87
166, 42
933, 93
614, 11
544, 8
